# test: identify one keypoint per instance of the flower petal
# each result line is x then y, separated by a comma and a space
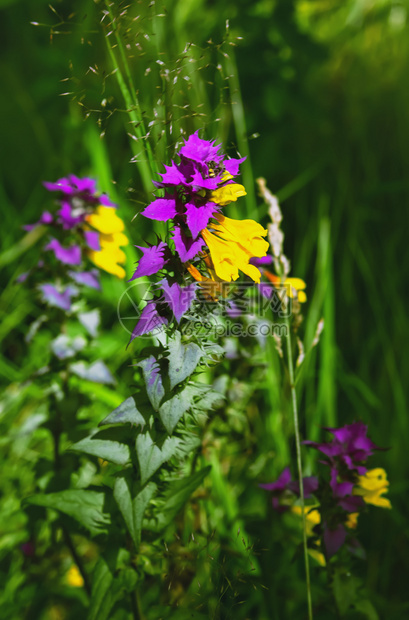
152, 260
186, 247
161, 209
197, 217
68, 256
178, 298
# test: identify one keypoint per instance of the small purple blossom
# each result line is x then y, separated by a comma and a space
198, 216
185, 246
92, 240
68, 256
68, 217
149, 321
87, 278
153, 259
334, 538
75, 187
262, 261
350, 447
56, 298
46, 218
161, 209
201, 151
284, 483
178, 298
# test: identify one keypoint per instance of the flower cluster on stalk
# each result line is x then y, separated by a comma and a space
338, 497
205, 248
85, 227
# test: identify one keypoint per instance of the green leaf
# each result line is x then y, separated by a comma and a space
176, 495
105, 592
107, 449
204, 397
183, 359
151, 457
133, 504
153, 380
173, 409
345, 587
367, 609
127, 412
84, 506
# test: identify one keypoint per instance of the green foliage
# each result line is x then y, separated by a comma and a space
106, 449
320, 100
151, 457
87, 507
132, 500
183, 359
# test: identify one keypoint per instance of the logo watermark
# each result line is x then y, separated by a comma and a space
242, 309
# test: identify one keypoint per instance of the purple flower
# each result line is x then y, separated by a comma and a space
67, 218
68, 256
74, 187
232, 165
56, 298
149, 320
261, 262
92, 240
172, 177
46, 218
201, 151
161, 209
178, 298
350, 447
342, 492
153, 259
334, 538
87, 278
185, 246
285, 483
198, 216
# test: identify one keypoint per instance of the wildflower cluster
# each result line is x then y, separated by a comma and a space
339, 497
84, 229
206, 249
85, 226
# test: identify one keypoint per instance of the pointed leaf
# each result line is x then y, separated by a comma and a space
151, 457
83, 505
183, 359
173, 409
133, 505
153, 380
105, 592
127, 412
106, 449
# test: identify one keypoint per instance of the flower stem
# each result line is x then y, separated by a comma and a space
299, 463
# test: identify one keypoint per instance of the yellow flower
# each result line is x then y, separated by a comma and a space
111, 238
232, 244
74, 577
312, 518
352, 520
228, 193
295, 286
371, 486
105, 220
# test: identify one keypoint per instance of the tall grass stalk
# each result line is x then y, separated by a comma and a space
140, 144
299, 463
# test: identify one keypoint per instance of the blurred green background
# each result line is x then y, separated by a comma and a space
321, 100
